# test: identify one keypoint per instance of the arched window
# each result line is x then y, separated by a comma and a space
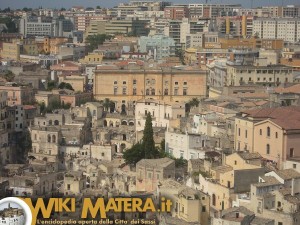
53, 138
153, 91
105, 123
268, 149
49, 138
268, 131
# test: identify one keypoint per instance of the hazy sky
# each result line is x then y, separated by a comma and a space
14, 4
13, 205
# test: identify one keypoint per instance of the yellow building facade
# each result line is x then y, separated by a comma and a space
168, 84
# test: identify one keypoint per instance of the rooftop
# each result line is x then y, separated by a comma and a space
288, 174
159, 163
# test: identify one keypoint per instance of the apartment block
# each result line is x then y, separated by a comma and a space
287, 29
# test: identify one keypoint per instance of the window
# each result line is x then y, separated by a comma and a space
239, 131
124, 90
134, 81
184, 91
115, 90
291, 152
235, 162
294, 166
185, 83
69, 187
147, 92
166, 92
176, 83
203, 208
268, 149
153, 91
102, 154
268, 131
115, 82
175, 91
260, 131
124, 82
246, 133
134, 91
276, 135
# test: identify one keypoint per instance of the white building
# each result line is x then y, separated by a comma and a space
287, 29
186, 145
158, 46
161, 112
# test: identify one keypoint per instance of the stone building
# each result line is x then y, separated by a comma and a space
149, 172
129, 82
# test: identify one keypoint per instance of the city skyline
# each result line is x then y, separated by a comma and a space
15, 4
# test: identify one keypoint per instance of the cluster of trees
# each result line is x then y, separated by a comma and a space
8, 76
10, 24
146, 149
64, 85
108, 105
54, 104
95, 40
53, 85
194, 102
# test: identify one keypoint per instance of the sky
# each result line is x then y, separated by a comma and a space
13, 205
14, 4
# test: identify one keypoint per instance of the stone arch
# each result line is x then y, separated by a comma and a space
124, 122
131, 123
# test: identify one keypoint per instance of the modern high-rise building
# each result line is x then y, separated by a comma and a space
287, 29
197, 11
45, 26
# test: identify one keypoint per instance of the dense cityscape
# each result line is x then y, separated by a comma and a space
195, 102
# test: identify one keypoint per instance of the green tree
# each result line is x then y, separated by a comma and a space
64, 85
108, 105
95, 40
144, 150
10, 24
148, 140
42, 108
51, 85
162, 145
180, 54
9, 76
194, 102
